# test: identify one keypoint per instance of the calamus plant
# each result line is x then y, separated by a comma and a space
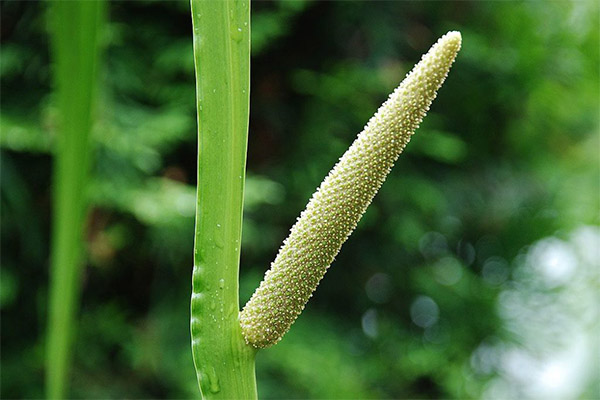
338, 204
224, 340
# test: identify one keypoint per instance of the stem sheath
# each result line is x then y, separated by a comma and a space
224, 362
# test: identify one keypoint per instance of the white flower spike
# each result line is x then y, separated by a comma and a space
336, 207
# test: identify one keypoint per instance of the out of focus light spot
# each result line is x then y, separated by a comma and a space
484, 359
448, 271
451, 224
369, 323
554, 260
436, 334
433, 245
261, 190
424, 312
551, 310
586, 242
495, 271
466, 252
553, 375
185, 204
518, 363
379, 288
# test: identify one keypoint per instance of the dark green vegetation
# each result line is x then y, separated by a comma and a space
484, 236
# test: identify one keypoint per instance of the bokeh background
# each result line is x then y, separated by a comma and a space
474, 274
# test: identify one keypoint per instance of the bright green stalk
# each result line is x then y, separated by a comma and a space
74, 30
224, 362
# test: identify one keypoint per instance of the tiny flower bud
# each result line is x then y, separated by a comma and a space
336, 207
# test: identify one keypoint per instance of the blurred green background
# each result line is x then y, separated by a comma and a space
474, 274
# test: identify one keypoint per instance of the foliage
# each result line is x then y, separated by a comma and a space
427, 297
75, 29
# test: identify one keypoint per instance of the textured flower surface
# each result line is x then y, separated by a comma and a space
336, 207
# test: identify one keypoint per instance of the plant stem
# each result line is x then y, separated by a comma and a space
224, 362
74, 30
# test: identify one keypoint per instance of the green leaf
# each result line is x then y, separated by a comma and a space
224, 363
74, 30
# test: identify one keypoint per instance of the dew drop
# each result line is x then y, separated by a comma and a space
221, 283
236, 34
219, 240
